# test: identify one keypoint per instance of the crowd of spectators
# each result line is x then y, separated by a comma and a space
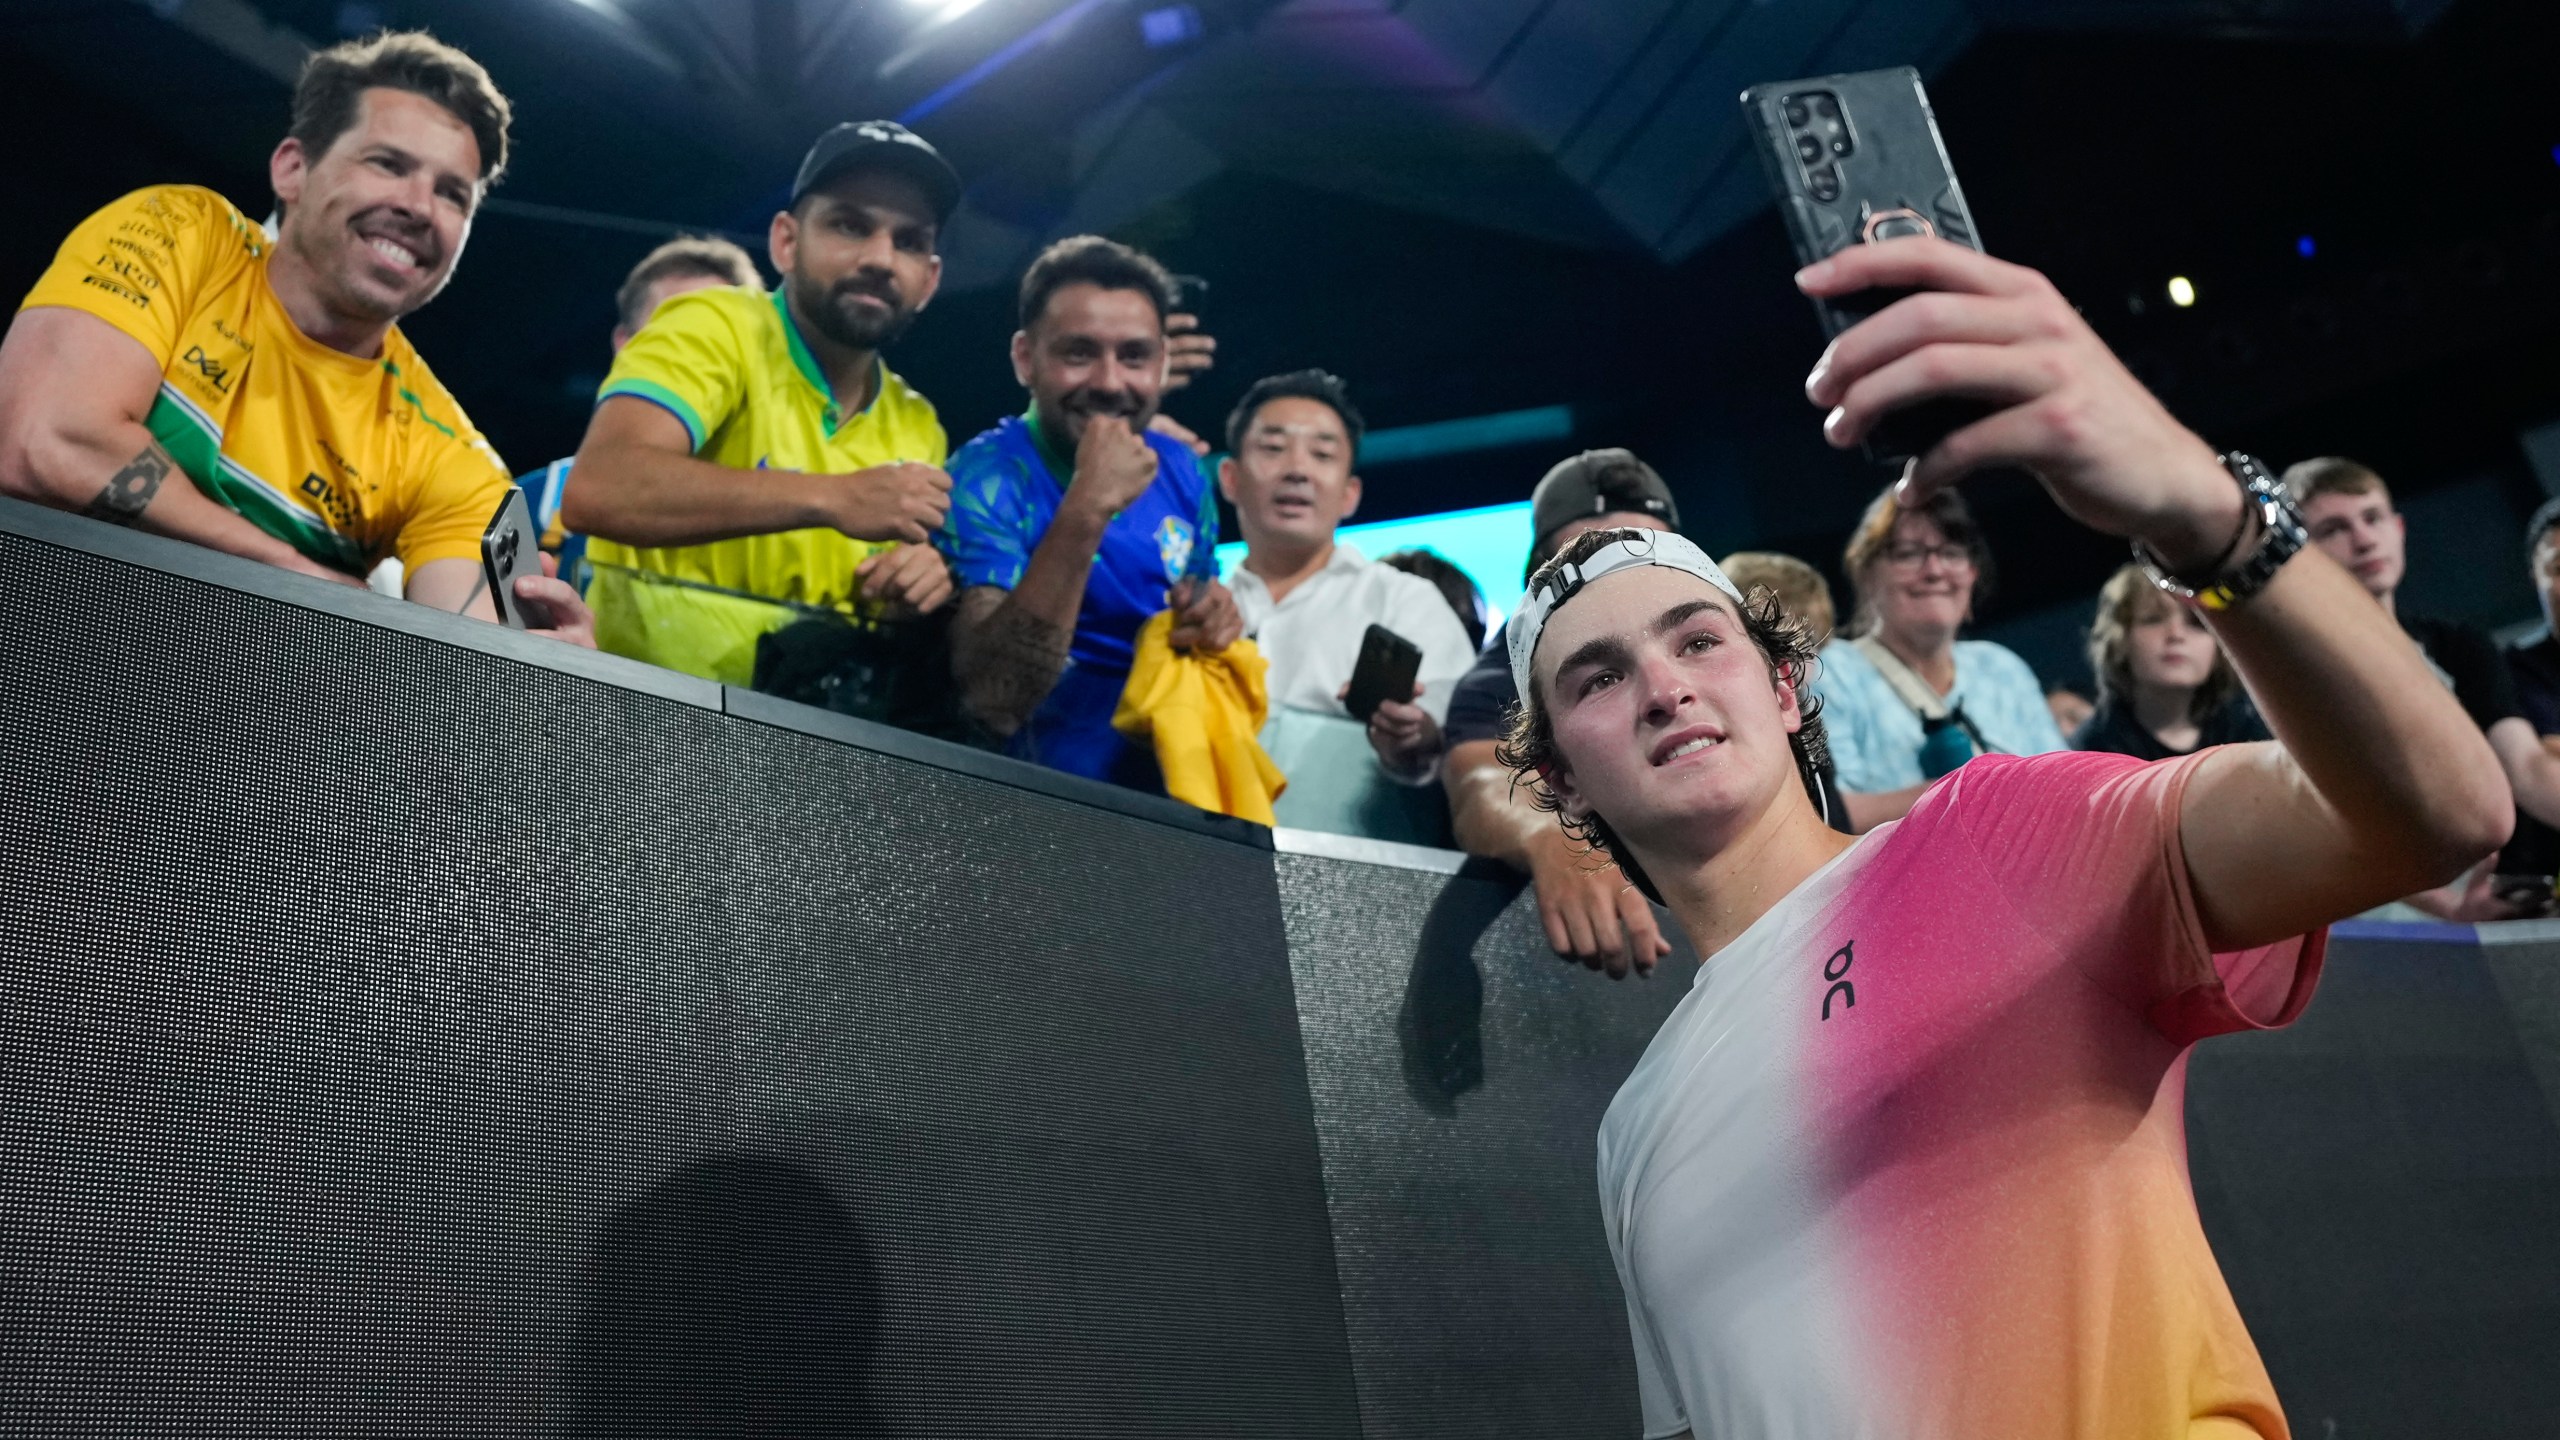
760, 500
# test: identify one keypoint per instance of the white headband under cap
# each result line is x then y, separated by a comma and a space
1631, 550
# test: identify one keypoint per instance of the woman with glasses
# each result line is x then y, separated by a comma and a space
2164, 686
1905, 700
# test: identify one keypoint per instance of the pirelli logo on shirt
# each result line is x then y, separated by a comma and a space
100, 282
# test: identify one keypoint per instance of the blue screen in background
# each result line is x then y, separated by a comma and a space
1490, 543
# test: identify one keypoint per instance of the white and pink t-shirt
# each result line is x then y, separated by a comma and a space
1909, 1161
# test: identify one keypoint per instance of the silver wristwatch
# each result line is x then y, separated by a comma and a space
2229, 583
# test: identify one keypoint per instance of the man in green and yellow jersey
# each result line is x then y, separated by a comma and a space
180, 370
752, 465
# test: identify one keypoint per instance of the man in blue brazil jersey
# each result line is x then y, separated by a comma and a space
1073, 524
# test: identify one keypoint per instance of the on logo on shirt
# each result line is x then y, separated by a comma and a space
1836, 970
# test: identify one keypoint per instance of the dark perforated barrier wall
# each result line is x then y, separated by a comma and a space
402, 1042
1460, 1075
2382, 1184
408, 1028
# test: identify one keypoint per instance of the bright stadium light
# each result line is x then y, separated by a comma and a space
2182, 291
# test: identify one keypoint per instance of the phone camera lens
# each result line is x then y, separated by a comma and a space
1809, 148
1825, 106
1797, 115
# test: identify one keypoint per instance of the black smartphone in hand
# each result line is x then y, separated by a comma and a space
509, 548
1385, 671
1855, 159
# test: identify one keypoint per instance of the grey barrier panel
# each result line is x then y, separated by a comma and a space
1460, 1073
399, 1039
2382, 1184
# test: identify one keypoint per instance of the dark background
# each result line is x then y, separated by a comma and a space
2417, 142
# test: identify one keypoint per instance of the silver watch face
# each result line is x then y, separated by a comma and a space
2285, 536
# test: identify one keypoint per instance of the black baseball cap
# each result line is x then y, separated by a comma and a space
1599, 482
883, 145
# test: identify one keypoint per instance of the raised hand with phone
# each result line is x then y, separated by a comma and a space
2381, 780
2180, 899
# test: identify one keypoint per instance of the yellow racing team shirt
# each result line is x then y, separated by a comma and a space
346, 460
730, 364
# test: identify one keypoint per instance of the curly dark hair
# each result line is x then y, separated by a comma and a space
1529, 746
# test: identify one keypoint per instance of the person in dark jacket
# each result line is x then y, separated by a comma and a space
2164, 686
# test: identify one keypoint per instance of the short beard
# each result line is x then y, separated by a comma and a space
834, 316
344, 295
1071, 420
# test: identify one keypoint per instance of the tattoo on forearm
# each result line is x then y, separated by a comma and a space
1014, 661
130, 492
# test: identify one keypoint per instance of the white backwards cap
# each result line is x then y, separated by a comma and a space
1632, 548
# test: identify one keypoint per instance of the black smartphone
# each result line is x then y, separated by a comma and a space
1388, 662
509, 548
1855, 159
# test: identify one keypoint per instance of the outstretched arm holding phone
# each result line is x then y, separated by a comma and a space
2381, 785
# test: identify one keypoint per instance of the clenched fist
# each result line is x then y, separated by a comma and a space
1113, 466
902, 500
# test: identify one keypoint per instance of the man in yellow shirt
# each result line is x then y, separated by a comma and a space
180, 370
754, 476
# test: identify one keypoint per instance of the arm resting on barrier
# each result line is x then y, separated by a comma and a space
74, 393
1009, 647
637, 481
551, 605
1590, 912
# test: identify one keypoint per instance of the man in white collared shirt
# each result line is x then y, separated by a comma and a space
1308, 601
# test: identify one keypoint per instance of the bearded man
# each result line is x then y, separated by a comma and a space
751, 463
1076, 522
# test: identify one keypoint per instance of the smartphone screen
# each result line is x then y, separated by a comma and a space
509, 548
